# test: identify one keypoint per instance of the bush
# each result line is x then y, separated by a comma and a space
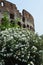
21, 44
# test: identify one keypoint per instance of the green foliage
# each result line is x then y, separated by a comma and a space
41, 45
20, 43
12, 23
5, 23
17, 20
16, 23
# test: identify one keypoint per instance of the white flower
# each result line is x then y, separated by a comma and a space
32, 63
22, 48
11, 37
28, 57
34, 48
22, 55
16, 57
28, 64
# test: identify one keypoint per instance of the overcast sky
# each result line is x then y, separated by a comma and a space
35, 7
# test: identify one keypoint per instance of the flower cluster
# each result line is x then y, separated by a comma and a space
22, 44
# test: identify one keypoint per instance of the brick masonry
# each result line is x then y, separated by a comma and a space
26, 19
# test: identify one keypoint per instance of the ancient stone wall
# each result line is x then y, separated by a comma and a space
27, 19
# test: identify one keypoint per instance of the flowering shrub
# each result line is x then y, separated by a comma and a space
22, 44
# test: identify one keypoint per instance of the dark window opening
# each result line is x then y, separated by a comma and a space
27, 25
23, 19
24, 26
12, 23
31, 27
12, 16
19, 23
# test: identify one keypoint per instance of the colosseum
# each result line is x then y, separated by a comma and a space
26, 19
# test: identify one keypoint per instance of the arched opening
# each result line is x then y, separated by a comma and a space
19, 23
23, 19
27, 26
12, 22
30, 27
11, 16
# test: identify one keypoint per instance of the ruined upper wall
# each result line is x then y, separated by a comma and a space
14, 13
9, 7
27, 15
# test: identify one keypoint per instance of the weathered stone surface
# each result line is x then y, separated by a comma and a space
26, 17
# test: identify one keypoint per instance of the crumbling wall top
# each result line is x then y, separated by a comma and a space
27, 15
